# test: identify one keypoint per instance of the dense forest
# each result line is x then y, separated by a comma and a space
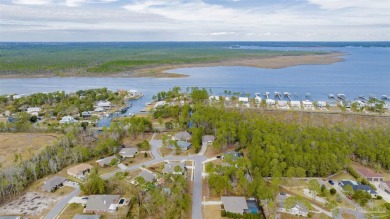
97, 58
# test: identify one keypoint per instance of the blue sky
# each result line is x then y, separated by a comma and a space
197, 20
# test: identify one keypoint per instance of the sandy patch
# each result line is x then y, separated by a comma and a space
31, 203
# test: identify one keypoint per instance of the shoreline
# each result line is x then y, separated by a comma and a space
276, 62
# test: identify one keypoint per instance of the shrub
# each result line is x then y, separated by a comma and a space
379, 197
145, 154
332, 191
223, 213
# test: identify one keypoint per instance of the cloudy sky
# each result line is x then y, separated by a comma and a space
197, 20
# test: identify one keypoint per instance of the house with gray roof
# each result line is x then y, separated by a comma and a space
169, 168
182, 144
234, 204
147, 175
357, 186
53, 183
298, 208
87, 216
182, 136
106, 161
207, 139
128, 152
101, 204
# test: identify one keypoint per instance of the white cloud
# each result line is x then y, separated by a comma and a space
31, 2
341, 4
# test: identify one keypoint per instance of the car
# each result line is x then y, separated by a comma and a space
282, 193
219, 157
349, 197
85, 198
331, 182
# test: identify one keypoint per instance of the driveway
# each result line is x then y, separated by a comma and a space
385, 196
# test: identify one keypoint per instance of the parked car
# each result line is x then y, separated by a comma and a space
331, 182
282, 193
349, 197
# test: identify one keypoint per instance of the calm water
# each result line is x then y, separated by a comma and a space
365, 71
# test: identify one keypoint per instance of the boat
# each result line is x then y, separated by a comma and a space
331, 96
385, 97
341, 96
131, 114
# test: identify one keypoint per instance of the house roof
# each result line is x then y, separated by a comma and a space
184, 145
387, 183
106, 160
357, 186
148, 176
183, 136
367, 173
234, 204
208, 138
79, 168
53, 182
101, 202
128, 152
170, 167
86, 216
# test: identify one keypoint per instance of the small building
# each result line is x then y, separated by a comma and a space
134, 93
321, 104
295, 104
282, 103
87, 216
182, 144
234, 204
208, 139
128, 152
79, 171
307, 104
34, 111
270, 102
385, 186
297, 209
258, 99
243, 99
67, 120
86, 114
104, 104
102, 204
99, 109
169, 168
182, 136
159, 104
53, 183
369, 174
104, 162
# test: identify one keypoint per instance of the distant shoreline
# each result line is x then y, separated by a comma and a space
161, 71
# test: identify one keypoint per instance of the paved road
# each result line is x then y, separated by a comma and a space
197, 188
54, 212
357, 214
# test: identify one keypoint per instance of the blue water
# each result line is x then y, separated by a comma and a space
365, 71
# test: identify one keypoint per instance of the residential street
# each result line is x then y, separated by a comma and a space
197, 183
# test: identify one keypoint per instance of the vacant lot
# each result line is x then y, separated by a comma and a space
25, 144
31, 203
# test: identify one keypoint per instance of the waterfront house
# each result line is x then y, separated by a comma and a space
169, 168
369, 174
270, 102
128, 152
282, 103
321, 104
53, 183
243, 99
234, 204
67, 120
295, 104
86, 114
104, 162
213, 98
79, 171
102, 204
99, 109
258, 99
307, 104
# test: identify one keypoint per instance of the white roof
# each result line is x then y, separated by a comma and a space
243, 99
306, 102
295, 102
269, 101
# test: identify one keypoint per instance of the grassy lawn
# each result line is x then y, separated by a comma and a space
133, 141
315, 216
341, 176
140, 158
25, 144
211, 211
157, 167
104, 170
71, 210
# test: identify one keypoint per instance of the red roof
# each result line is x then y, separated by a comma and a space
387, 183
368, 173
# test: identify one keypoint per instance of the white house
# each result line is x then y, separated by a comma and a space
282, 103
99, 109
33, 110
270, 102
104, 104
67, 120
243, 99
295, 104
321, 104
159, 103
307, 104
128, 152
258, 99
